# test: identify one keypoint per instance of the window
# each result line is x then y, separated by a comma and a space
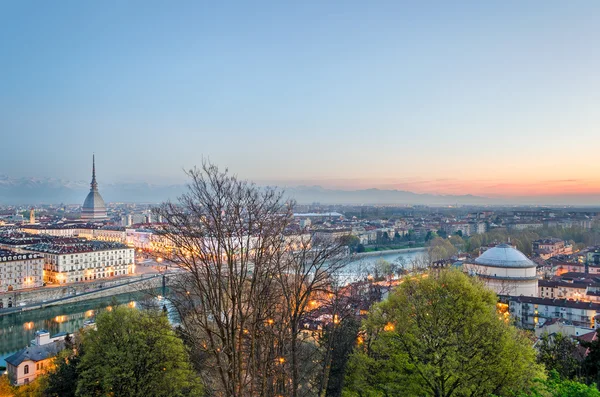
26, 369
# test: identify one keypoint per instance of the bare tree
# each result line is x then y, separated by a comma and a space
305, 272
247, 282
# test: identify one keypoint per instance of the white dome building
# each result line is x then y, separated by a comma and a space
506, 270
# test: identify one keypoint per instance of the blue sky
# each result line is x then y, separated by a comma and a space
454, 96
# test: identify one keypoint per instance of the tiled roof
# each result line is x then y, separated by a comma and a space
35, 353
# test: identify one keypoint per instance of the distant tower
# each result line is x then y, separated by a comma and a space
31, 216
93, 206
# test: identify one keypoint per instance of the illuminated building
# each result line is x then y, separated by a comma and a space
19, 271
82, 260
527, 311
506, 270
35, 360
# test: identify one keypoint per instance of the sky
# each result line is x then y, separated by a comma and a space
492, 98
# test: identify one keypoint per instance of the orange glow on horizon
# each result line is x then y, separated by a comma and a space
525, 185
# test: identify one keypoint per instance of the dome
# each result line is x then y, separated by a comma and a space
504, 255
93, 206
94, 202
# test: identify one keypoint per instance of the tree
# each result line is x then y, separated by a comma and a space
5, 388
350, 241
439, 249
341, 339
401, 264
32, 389
591, 364
555, 386
247, 283
383, 269
62, 381
431, 236
560, 353
457, 241
134, 353
441, 336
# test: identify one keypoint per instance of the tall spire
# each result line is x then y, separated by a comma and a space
94, 184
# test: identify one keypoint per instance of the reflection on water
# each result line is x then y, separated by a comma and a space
359, 268
17, 330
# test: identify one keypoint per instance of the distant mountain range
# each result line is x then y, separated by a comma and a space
309, 194
56, 191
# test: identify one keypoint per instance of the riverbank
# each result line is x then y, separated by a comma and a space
388, 252
17, 329
61, 296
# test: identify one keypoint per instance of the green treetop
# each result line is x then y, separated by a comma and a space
134, 353
441, 336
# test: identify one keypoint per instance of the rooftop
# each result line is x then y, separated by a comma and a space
504, 255
78, 247
558, 303
9, 256
35, 353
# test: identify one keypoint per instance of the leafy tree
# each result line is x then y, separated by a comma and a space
62, 382
560, 353
591, 364
32, 389
431, 236
5, 388
382, 269
441, 248
457, 241
555, 386
134, 353
383, 238
342, 344
440, 336
350, 241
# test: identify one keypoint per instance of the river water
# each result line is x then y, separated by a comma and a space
360, 267
18, 329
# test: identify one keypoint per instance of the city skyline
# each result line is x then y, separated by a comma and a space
494, 100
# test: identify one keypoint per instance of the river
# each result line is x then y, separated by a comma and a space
359, 268
18, 329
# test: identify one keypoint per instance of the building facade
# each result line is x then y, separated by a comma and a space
505, 270
527, 311
20, 271
27, 364
84, 261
